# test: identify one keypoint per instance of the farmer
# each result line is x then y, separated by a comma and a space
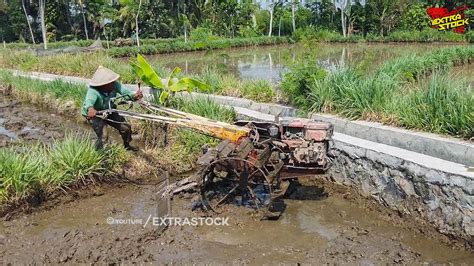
103, 86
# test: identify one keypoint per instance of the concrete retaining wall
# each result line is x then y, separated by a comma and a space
440, 191
446, 148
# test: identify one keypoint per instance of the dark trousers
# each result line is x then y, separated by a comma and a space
118, 122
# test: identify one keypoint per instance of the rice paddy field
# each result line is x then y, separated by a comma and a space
406, 85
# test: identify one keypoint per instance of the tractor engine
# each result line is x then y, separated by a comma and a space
300, 143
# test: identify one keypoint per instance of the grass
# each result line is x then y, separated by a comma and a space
412, 67
84, 65
80, 65
441, 104
190, 46
399, 93
185, 145
65, 163
63, 97
230, 85
312, 33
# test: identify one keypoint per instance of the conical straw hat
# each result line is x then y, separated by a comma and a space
103, 76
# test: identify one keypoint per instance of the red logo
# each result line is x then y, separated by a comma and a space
443, 19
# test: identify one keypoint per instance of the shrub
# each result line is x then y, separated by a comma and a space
297, 83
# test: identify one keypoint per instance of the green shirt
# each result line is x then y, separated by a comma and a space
100, 100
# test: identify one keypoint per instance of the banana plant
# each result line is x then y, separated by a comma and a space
167, 86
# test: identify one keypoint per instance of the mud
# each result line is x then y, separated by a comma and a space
28, 124
321, 223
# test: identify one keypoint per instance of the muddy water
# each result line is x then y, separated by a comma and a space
20, 123
268, 62
320, 229
331, 227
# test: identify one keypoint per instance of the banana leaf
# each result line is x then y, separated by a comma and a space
145, 73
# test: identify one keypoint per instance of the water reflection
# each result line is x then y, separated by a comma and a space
268, 62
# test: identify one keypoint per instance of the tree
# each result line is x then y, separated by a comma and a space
293, 19
387, 12
28, 21
415, 18
42, 7
81, 4
129, 13
136, 22
271, 8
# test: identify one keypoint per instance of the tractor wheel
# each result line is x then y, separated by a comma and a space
237, 181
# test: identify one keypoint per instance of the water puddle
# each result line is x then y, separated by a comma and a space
5, 132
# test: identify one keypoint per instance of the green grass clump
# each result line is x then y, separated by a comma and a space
349, 94
441, 104
25, 171
73, 161
297, 83
397, 93
21, 173
469, 36
179, 45
412, 67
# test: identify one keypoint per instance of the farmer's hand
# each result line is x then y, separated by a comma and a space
91, 113
138, 95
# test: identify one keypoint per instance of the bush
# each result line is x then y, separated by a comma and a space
202, 34
469, 36
297, 83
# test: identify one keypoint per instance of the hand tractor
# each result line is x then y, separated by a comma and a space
255, 160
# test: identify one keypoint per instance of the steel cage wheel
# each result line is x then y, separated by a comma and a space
223, 183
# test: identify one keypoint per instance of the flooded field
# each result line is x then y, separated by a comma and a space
322, 223
268, 62
332, 226
20, 123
